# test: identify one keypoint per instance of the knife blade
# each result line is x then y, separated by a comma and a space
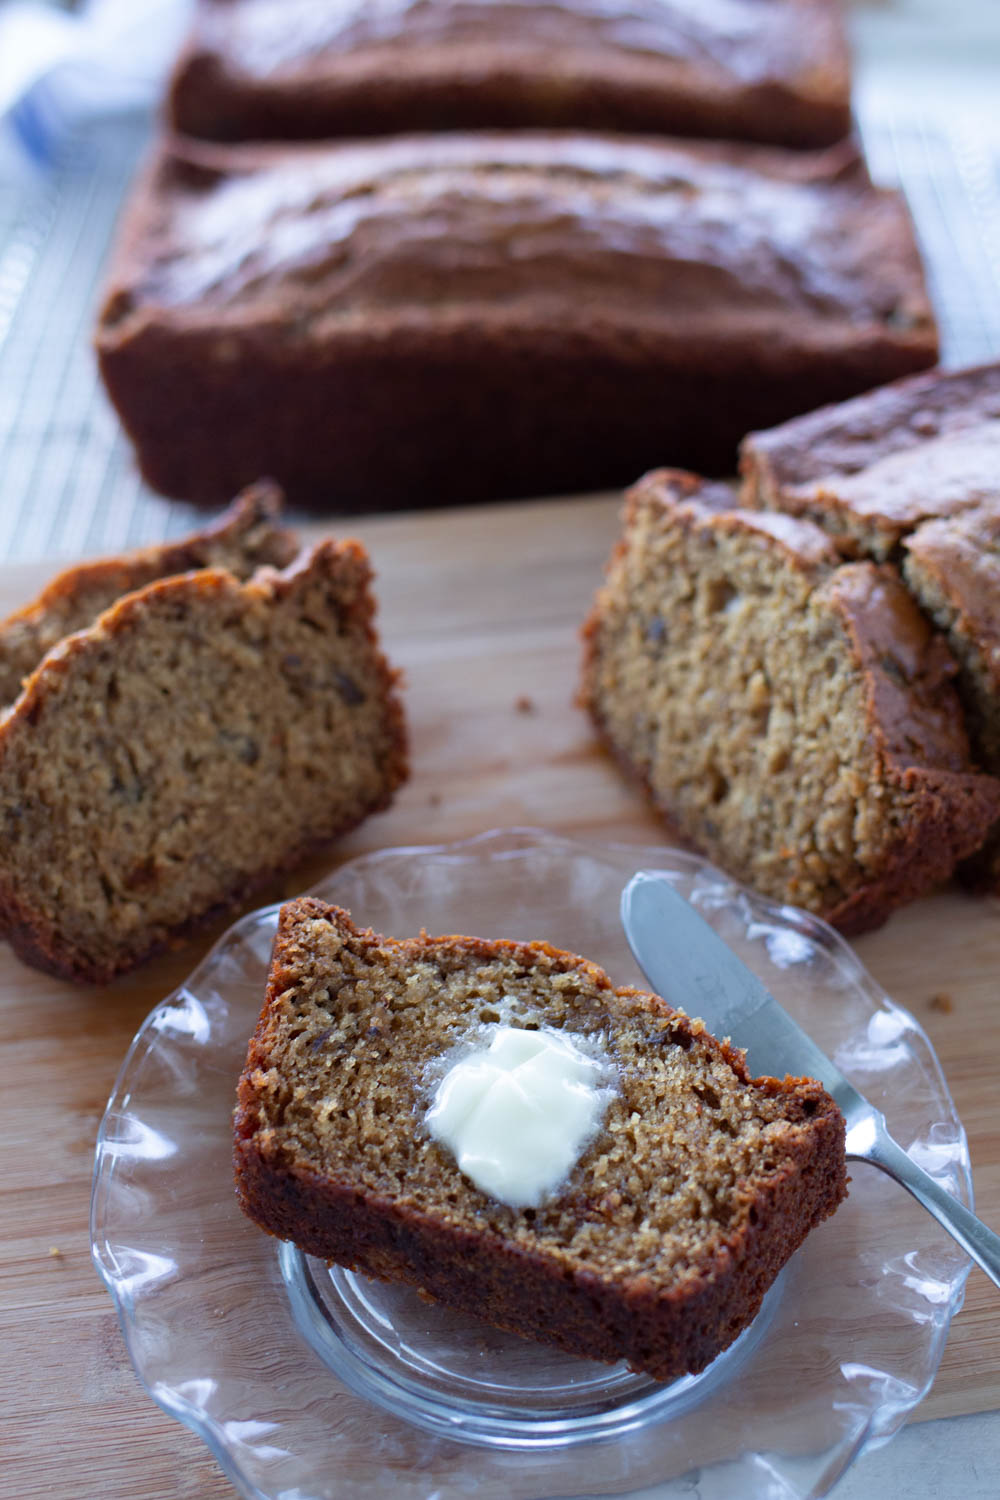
690, 967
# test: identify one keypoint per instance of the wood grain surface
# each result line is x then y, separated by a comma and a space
481, 608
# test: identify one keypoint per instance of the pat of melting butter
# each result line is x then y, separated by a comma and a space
517, 1114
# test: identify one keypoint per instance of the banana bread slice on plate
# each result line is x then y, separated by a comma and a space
793, 716
659, 1242
202, 734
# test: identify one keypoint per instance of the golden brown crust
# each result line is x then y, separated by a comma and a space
246, 536
665, 1324
772, 72
366, 368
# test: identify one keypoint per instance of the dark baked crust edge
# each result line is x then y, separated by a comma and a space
666, 1333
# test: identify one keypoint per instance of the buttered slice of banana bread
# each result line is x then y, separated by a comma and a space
793, 716
245, 537
659, 1240
202, 734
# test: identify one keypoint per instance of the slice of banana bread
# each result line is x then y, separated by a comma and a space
202, 734
660, 1244
245, 537
792, 716
912, 472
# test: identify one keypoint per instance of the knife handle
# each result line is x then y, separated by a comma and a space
971, 1233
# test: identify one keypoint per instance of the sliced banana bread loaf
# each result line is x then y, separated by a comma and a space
911, 471
202, 734
243, 538
764, 70
660, 1243
793, 717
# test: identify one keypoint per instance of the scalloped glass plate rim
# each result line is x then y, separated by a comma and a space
878, 1429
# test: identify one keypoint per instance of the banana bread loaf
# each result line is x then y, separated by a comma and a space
912, 472
200, 735
450, 317
245, 537
760, 70
793, 716
659, 1245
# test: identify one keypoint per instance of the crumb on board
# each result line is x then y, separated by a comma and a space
434, 800
524, 704
55, 1252
942, 1001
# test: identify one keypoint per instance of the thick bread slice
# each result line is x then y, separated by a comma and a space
912, 471
203, 734
792, 717
660, 1245
245, 537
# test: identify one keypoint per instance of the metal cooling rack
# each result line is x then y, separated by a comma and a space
68, 486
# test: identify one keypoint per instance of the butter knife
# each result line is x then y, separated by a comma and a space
690, 967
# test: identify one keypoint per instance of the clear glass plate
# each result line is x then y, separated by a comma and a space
312, 1384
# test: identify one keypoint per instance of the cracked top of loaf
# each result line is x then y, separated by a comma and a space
768, 70
875, 467
554, 233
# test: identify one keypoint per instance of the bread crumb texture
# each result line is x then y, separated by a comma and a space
659, 1246
202, 734
792, 716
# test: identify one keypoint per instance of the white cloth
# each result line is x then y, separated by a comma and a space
60, 69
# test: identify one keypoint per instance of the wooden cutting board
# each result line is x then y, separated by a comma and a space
481, 608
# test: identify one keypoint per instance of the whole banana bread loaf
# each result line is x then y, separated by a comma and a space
912, 471
793, 716
658, 1245
201, 735
449, 317
758, 70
